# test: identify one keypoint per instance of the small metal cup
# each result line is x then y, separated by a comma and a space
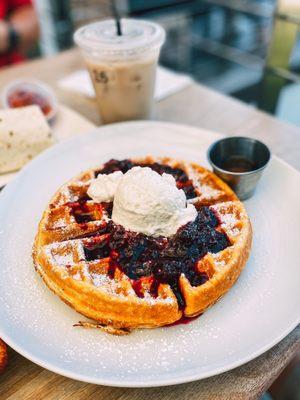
239, 161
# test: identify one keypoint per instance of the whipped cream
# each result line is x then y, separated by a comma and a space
144, 201
103, 188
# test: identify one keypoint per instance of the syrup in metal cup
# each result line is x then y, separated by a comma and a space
239, 161
122, 67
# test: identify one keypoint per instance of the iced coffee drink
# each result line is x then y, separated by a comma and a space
122, 68
124, 91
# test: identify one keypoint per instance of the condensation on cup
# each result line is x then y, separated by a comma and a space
122, 68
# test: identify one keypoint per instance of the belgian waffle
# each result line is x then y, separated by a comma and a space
93, 266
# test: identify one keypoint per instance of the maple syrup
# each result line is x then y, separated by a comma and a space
238, 164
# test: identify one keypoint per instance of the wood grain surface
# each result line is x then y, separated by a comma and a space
197, 106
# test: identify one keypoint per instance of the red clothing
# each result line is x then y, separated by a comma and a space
6, 7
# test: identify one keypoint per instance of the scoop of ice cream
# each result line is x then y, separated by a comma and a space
150, 203
103, 188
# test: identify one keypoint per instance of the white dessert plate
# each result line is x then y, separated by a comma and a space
259, 311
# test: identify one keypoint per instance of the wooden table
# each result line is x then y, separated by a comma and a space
197, 106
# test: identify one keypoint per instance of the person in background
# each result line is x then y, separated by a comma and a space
19, 30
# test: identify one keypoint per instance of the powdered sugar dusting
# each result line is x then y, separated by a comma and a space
77, 276
230, 216
208, 193
60, 259
229, 222
218, 262
104, 281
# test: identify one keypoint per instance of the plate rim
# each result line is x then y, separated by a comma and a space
131, 383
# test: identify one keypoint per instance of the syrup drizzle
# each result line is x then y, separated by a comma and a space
183, 320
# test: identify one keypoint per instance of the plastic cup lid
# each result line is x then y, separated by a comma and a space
138, 36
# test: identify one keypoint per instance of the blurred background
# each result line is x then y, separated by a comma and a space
248, 49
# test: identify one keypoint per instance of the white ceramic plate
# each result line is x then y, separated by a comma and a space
258, 312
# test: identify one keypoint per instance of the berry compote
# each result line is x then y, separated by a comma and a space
158, 259
182, 180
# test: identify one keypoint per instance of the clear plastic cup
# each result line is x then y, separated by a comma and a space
122, 68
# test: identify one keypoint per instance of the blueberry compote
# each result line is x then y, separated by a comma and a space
161, 259
182, 180
81, 211
158, 259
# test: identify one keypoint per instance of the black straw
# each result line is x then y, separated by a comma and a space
117, 17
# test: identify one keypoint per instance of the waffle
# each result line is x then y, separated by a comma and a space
3, 356
78, 252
